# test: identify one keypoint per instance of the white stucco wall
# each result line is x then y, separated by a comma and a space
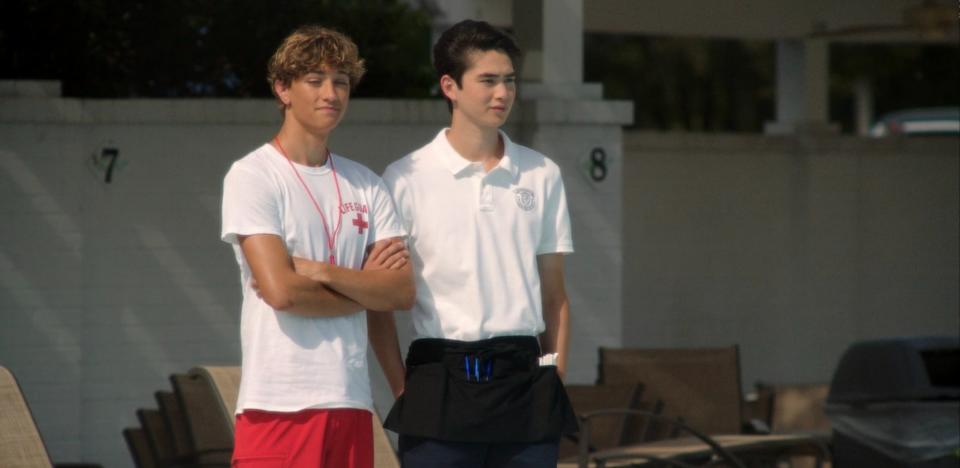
106, 289
791, 247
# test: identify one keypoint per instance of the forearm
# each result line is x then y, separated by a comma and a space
373, 289
282, 288
382, 334
305, 296
556, 309
556, 335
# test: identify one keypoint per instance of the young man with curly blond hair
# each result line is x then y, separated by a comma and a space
318, 245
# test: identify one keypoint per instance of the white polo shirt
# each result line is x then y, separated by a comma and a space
474, 237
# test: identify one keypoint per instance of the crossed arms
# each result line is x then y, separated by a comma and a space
317, 289
385, 283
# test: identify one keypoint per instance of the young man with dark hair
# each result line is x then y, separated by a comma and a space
488, 227
317, 240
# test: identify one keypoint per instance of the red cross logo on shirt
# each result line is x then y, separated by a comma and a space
360, 223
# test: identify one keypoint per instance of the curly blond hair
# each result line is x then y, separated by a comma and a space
308, 49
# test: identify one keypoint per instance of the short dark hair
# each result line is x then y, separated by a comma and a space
456, 43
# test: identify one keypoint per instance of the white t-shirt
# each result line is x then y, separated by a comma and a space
475, 237
293, 362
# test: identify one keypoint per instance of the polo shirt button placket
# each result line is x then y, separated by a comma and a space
486, 195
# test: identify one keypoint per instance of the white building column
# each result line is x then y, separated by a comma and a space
803, 87
550, 33
863, 99
568, 120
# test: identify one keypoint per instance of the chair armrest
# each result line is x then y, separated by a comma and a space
756, 426
584, 458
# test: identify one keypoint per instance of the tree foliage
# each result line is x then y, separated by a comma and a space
685, 83
708, 85
181, 48
186, 48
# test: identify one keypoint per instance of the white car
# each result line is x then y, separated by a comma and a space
919, 122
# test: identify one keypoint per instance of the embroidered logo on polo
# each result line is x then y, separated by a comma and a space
359, 221
526, 200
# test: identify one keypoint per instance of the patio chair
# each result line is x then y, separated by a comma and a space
224, 383
607, 432
700, 389
158, 436
20, 443
701, 386
757, 411
139, 447
698, 448
176, 424
210, 433
797, 407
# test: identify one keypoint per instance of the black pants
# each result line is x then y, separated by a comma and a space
416, 452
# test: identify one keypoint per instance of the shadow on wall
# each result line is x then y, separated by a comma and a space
97, 307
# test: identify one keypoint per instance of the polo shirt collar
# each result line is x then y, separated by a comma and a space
457, 164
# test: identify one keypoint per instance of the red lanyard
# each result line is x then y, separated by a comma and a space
331, 239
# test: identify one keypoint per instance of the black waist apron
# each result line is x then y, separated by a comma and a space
489, 391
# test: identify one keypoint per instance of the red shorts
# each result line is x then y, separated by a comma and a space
310, 438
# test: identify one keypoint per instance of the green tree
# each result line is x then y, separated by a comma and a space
685, 83
729, 86
181, 48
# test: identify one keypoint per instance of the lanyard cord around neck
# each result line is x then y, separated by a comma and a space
331, 239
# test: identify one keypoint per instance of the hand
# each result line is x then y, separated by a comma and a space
387, 255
